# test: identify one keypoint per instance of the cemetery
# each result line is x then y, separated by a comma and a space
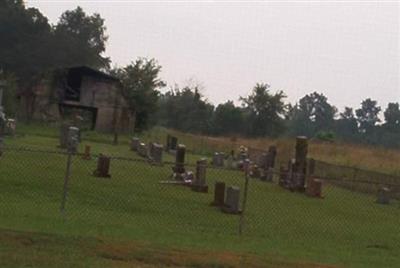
160, 187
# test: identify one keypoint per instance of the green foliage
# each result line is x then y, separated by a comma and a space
264, 111
186, 109
325, 136
80, 39
140, 83
367, 116
227, 119
312, 114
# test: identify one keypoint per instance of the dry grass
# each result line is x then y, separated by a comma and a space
362, 156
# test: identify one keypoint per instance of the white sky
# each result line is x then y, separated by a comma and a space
347, 51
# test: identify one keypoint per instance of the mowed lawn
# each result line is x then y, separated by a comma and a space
343, 229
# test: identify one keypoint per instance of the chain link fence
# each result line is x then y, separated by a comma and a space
142, 195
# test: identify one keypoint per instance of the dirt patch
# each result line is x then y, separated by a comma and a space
39, 250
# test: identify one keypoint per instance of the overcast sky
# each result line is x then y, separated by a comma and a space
347, 51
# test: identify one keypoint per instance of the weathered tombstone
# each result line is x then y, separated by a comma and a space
269, 174
103, 167
142, 149
134, 143
64, 135
300, 164
179, 167
157, 153
271, 156
314, 188
383, 196
218, 159
72, 139
231, 204
262, 160
168, 144
199, 184
150, 150
86, 154
219, 194
11, 126
173, 143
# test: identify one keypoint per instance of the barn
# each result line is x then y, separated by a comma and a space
91, 95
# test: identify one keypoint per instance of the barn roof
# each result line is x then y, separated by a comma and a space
84, 70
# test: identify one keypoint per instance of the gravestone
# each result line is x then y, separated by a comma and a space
272, 152
263, 160
142, 149
284, 177
269, 174
199, 184
72, 139
179, 167
157, 153
314, 188
173, 143
383, 196
11, 126
150, 150
219, 194
134, 143
232, 200
86, 154
300, 165
103, 167
218, 159
64, 135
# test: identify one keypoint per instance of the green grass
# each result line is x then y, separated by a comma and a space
344, 229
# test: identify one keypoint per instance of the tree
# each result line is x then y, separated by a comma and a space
311, 115
81, 39
367, 116
392, 116
264, 111
227, 119
346, 125
186, 109
140, 83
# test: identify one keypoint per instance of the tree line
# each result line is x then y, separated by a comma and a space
31, 49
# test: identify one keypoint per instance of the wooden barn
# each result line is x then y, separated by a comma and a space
82, 92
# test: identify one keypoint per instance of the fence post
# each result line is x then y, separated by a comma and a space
73, 139
246, 187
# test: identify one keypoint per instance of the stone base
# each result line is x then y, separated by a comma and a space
200, 188
97, 174
229, 210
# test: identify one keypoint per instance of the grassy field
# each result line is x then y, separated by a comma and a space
133, 220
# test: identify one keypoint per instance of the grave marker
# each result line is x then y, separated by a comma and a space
219, 194
199, 184
157, 153
232, 200
179, 167
314, 188
64, 135
173, 143
86, 154
142, 149
134, 143
383, 196
103, 167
